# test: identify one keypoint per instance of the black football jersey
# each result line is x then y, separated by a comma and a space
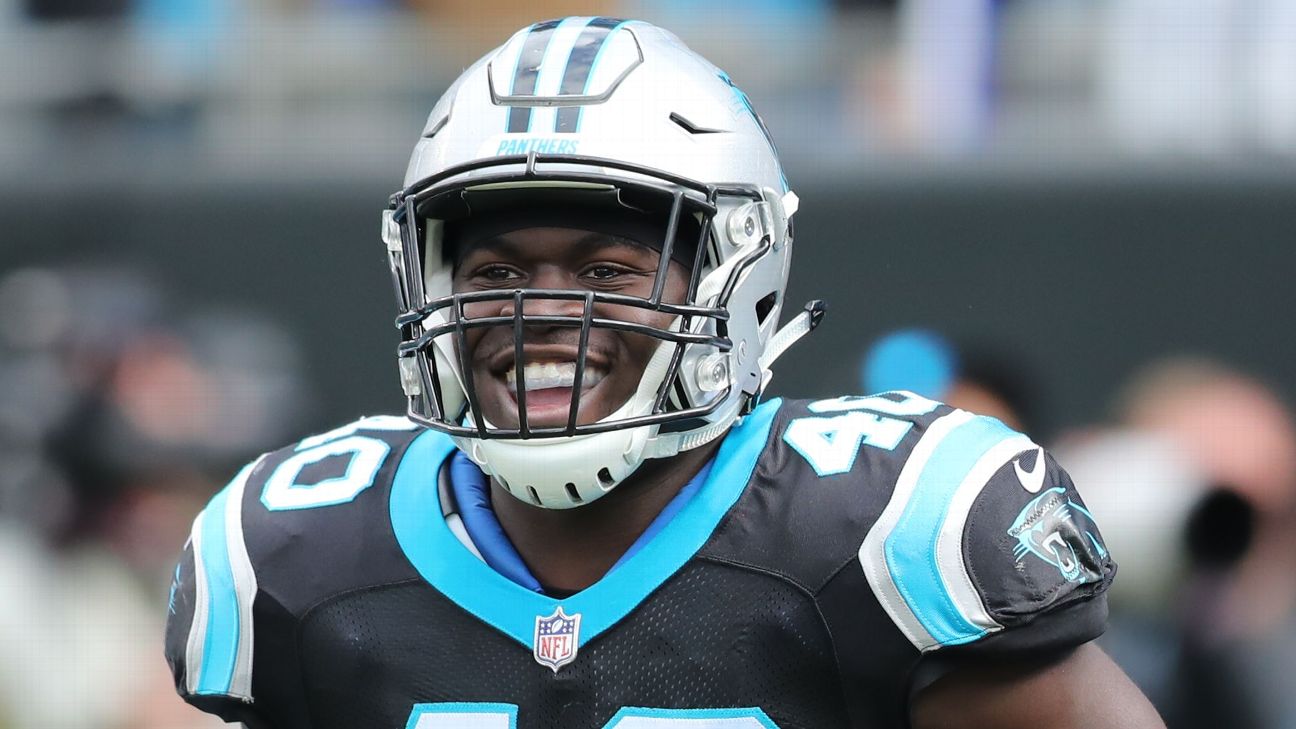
838, 555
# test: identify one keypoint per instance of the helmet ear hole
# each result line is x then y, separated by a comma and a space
535, 496
765, 306
605, 478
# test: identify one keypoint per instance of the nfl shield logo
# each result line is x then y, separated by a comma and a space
556, 637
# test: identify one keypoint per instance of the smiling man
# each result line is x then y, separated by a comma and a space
591, 517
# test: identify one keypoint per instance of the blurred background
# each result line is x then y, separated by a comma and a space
1077, 215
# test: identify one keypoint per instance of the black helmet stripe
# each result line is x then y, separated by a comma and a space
580, 66
528, 70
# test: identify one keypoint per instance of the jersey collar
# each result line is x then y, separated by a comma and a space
471, 490
446, 564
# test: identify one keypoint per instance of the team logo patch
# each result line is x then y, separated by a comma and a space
1053, 527
556, 639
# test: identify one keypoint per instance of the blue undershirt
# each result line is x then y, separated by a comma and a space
471, 490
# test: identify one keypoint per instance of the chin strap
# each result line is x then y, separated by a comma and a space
790, 334
665, 445
803, 324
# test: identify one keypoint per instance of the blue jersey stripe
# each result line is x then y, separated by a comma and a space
220, 644
911, 546
482, 710
709, 718
580, 68
528, 71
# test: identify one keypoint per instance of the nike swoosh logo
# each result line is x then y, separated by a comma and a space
1032, 480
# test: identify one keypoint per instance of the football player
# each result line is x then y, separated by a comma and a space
590, 516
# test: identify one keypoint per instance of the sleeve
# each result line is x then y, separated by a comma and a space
221, 631
985, 546
1037, 559
1033, 558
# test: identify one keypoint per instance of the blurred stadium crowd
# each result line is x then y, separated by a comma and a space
259, 88
127, 399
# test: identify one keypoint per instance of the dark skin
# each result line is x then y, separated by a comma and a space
569, 550
1082, 690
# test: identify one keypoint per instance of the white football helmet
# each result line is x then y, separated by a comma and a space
598, 108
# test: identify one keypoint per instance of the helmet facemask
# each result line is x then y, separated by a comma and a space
690, 386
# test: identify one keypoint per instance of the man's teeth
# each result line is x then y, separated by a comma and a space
546, 375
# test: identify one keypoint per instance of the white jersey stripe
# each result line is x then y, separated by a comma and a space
245, 584
198, 625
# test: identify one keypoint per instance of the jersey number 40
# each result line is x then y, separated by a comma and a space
831, 443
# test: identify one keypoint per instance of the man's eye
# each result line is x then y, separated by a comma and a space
497, 273
603, 273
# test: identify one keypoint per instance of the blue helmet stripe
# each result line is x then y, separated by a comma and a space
580, 67
528, 70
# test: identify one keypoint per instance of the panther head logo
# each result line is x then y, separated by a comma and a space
1042, 528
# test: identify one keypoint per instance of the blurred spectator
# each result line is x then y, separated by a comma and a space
482, 30
120, 416
971, 375
1241, 434
946, 71
1237, 429
850, 5
1199, 483
1144, 490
